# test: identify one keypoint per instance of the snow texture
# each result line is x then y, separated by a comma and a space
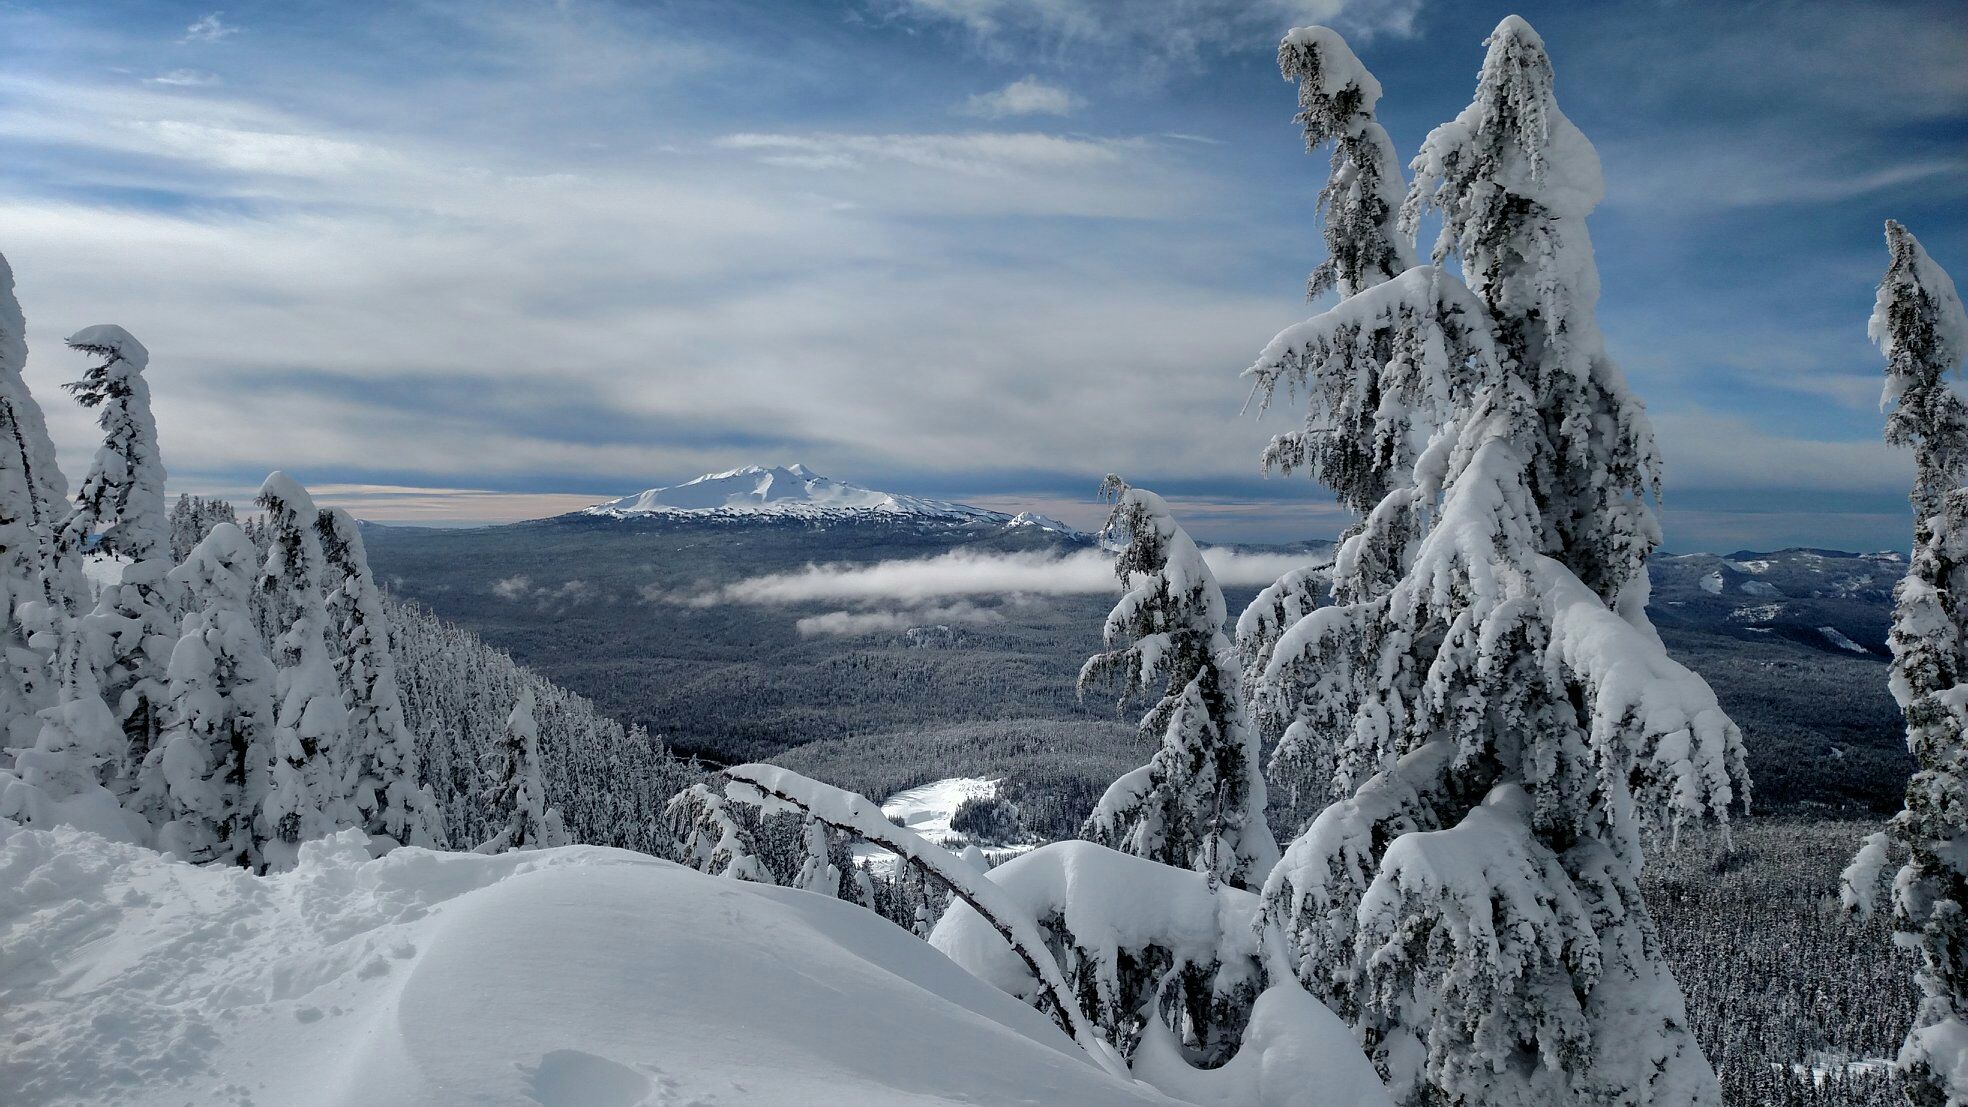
571, 977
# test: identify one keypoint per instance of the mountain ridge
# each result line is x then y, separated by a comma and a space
797, 492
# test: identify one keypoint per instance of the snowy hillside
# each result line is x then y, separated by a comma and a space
928, 810
572, 977
794, 491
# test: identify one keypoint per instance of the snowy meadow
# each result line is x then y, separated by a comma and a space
766, 787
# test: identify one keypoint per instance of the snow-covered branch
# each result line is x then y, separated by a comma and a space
856, 815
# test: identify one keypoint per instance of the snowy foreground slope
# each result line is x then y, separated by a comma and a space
575, 976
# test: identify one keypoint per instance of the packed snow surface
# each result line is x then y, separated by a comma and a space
573, 976
792, 490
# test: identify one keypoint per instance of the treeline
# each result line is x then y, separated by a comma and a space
227, 691
608, 782
1788, 996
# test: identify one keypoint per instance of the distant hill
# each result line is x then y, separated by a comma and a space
647, 613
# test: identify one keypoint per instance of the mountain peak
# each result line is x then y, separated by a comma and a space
793, 490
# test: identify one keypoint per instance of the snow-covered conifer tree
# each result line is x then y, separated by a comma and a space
1920, 325
513, 786
215, 757
120, 507
1500, 720
1199, 802
1513, 180
310, 785
60, 778
711, 837
818, 873
1361, 202
121, 501
32, 490
388, 797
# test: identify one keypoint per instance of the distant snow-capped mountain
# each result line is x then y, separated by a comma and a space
798, 492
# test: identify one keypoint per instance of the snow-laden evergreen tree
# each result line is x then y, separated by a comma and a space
60, 778
513, 786
1361, 202
817, 873
1349, 441
1501, 722
1199, 802
310, 784
215, 759
827, 866
119, 513
1513, 181
1919, 324
121, 502
713, 838
388, 797
32, 491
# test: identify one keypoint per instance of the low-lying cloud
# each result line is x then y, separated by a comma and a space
958, 588
895, 621
969, 573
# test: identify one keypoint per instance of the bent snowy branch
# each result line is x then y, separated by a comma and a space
854, 814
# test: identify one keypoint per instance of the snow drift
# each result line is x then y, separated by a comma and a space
574, 976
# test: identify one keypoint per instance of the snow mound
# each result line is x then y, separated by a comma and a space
1114, 906
1292, 1046
578, 975
792, 490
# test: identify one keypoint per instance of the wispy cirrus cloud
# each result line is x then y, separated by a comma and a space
1156, 31
618, 245
209, 28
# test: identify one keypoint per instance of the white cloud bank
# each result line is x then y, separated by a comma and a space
959, 587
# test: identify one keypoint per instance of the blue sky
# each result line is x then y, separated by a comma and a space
489, 260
